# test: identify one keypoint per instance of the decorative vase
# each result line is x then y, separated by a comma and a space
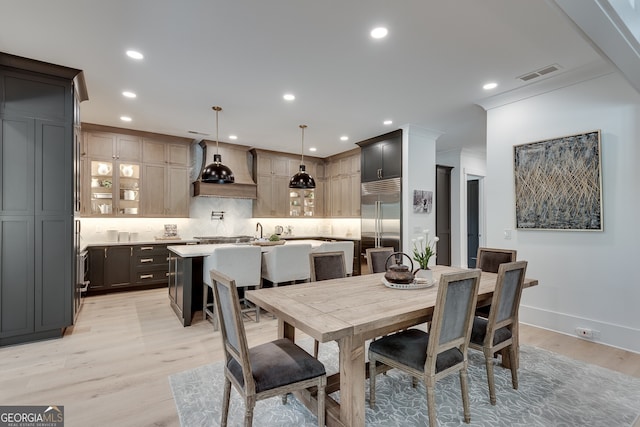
424, 274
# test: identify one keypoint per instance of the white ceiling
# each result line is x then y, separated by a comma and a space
244, 55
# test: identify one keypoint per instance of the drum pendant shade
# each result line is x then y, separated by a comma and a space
216, 172
302, 180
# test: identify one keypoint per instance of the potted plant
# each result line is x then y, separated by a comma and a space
423, 250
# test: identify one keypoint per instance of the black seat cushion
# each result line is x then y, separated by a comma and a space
479, 332
409, 347
278, 363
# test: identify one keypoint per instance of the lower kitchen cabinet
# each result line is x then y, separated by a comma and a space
117, 267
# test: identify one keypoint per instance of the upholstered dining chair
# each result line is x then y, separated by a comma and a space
266, 370
498, 332
240, 262
326, 266
286, 263
438, 353
346, 247
377, 258
489, 260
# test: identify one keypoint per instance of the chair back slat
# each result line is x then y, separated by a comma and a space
231, 324
489, 259
327, 265
453, 313
377, 257
506, 297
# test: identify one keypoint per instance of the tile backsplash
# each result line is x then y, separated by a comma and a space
237, 221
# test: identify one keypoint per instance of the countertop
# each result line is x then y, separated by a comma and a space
142, 242
192, 251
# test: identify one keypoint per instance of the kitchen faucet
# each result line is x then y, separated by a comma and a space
259, 225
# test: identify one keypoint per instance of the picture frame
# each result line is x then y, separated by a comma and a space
558, 183
422, 201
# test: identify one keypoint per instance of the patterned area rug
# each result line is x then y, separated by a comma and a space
553, 391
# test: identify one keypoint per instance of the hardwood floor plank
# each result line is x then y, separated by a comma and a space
112, 367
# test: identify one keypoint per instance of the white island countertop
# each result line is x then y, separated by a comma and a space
191, 251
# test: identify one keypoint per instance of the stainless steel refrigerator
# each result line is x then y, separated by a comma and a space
381, 212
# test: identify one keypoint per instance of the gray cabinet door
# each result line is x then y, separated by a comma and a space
16, 276
17, 151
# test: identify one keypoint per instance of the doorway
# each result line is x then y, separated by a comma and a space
473, 221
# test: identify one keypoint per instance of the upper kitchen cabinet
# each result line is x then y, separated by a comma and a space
133, 175
37, 164
344, 185
382, 157
118, 147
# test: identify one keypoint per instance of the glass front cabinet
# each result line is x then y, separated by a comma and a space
115, 188
301, 203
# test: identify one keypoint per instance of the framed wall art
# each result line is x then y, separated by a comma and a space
558, 183
422, 201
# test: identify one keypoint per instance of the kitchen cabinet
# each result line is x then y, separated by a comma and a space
271, 171
381, 157
120, 267
36, 199
135, 176
344, 185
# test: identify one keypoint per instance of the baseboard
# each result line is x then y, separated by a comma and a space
610, 334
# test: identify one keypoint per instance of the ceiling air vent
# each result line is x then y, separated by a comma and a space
541, 72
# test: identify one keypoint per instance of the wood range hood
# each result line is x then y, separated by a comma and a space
239, 160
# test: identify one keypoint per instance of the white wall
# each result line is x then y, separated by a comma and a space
587, 279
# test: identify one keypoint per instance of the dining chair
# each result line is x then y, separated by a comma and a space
286, 263
266, 370
377, 258
443, 350
498, 332
489, 260
326, 266
346, 247
240, 262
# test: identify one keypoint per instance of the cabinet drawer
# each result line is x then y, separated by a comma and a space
140, 261
151, 276
149, 249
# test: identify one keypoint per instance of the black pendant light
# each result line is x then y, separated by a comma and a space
302, 179
216, 172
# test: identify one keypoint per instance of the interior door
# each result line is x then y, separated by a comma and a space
473, 223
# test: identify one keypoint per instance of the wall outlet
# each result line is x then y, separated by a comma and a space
585, 332
507, 234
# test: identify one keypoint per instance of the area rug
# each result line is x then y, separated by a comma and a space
553, 391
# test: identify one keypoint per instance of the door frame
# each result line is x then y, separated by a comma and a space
471, 174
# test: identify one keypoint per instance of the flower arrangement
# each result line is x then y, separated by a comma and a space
423, 249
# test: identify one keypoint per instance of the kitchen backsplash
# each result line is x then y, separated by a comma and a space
237, 222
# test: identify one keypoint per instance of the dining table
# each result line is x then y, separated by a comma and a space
351, 311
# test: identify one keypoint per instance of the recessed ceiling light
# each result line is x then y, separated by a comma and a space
233, 137
125, 118
379, 33
289, 97
129, 94
344, 138
134, 54
490, 86
387, 122
313, 149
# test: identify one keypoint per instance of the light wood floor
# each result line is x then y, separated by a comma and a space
111, 369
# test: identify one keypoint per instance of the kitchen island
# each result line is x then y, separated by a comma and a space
186, 275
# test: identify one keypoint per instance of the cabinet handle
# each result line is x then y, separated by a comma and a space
146, 248
105, 253
143, 260
167, 274
131, 251
146, 276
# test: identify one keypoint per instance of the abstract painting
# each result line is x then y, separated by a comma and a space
558, 183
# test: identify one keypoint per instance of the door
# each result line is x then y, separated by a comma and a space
443, 214
473, 222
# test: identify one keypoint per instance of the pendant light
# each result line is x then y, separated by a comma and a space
216, 172
302, 179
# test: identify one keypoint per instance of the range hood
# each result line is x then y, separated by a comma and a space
239, 160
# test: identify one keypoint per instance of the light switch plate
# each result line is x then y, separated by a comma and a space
507, 234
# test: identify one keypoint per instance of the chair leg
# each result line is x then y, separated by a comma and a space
488, 358
431, 401
464, 388
316, 348
250, 403
321, 404
284, 398
225, 402
372, 383
513, 355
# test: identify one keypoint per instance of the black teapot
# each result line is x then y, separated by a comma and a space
398, 272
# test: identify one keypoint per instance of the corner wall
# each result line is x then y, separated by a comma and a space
586, 279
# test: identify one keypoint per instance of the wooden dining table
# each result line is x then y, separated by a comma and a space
351, 311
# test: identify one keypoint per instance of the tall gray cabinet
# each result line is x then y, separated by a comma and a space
38, 110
